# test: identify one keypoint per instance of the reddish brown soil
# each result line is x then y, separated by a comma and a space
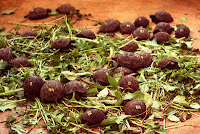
123, 10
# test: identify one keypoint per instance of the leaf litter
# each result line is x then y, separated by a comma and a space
166, 93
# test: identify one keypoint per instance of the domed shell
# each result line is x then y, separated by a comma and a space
161, 16
93, 116
30, 33
126, 27
130, 47
163, 27
37, 13
134, 107
169, 63
125, 70
52, 91
141, 33
32, 86
141, 21
101, 76
128, 83
6, 54
147, 59
129, 60
86, 34
162, 37
66, 9
60, 43
74, 86
19, 62
182, 31
109, 25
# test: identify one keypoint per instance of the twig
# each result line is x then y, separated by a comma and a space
84, 80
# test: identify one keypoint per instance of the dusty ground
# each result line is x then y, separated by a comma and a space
123, 10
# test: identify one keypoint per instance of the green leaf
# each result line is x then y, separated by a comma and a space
103, 93
10, 119
181, 100
7, 12
7, 104
3, 65
170, 88
110, 120
121, 118
112, 81
58, 118
183, 19
71, 75
2, 28
148, 100
92, 91
173, 118
52, 13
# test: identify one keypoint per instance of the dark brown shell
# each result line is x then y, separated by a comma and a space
101, 76
134, 107
169, 63
52, 91
162, 37
141, 33
30, 33
128, 83
141, 21
129, 60
37, 13
6, 54
60, 43
161, 16
74, 86
163, 27
147, 59
109, 25
32, 86
115, 57
86, 34
19, 62
126, 27
66, 9
130, 47
182, 31
126, 70
93, 116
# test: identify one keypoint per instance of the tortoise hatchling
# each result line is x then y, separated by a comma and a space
161, 16
52, 91
129, 60
182, 31
169, 63
86, 34
30, 33
60, 43
125, 70
147, 59
130, 47
101, 76
141, 21
19, 62
128, 83
6, 54
77, 87
109, 25
93, 116
141, 33
38, 13
162, 37
66, 9
126, 27
134, 107
32, 86
163, 27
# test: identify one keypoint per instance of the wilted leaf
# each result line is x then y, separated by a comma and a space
181, 100
195, 105
7, 12
148, 100
72, 76
2, 28
170, 88
5, 105
103, 93
52, 13
10, 119
174, 118
121, 118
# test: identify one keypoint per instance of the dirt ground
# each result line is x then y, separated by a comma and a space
123, 10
